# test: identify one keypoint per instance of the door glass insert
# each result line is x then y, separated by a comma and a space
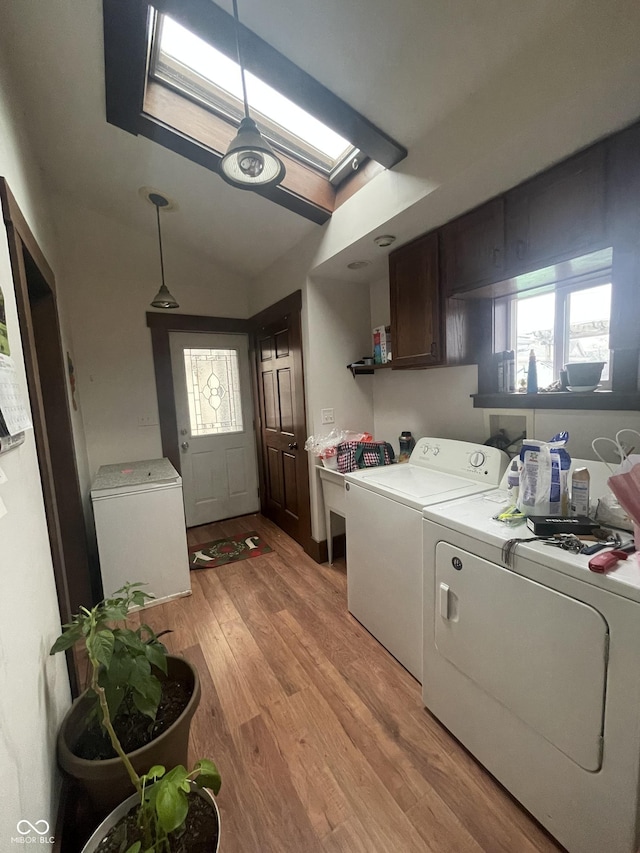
213, 391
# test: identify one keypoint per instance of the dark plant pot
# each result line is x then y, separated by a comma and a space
124, 808
107, 781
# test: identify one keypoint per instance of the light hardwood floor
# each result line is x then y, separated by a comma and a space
320, 735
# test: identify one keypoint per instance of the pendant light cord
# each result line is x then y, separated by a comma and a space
160, 244
240, 63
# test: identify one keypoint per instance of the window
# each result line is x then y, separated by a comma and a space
163, 81
185, 62
570, 323
213, 391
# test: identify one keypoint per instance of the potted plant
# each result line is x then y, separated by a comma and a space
175, 813
149, 695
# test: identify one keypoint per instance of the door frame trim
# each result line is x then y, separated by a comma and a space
53, 430
160, 326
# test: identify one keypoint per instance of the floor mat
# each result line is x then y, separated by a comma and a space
243, 546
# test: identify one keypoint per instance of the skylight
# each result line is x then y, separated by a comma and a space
187, 63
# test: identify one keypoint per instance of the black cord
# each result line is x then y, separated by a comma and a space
240, 63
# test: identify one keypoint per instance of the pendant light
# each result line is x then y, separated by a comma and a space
250, 162
163, 298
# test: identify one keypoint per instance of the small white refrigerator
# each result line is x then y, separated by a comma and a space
140, 527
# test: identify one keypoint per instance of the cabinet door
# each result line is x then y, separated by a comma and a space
557, 215
624, 202
473, 248
416, 305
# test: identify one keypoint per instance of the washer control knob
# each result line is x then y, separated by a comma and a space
425, 449
477, 458
436, 450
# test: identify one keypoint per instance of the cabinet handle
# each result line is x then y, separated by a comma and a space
434, 349
496, 257
521, 249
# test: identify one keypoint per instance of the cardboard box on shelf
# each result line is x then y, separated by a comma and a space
381, 344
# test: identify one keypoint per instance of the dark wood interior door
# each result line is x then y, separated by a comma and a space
284, 473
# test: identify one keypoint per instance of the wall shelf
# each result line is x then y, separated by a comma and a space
363, 369
592, 401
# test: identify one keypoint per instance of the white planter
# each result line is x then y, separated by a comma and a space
130, 803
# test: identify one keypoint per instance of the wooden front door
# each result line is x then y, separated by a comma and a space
284, 471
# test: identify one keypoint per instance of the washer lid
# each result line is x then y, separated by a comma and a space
412, 485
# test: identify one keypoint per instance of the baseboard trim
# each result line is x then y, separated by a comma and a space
319, 551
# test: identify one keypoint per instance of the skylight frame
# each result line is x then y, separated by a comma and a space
145, 108
187, 82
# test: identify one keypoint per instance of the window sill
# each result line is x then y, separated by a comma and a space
592, 401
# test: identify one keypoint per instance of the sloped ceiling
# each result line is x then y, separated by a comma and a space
405, 65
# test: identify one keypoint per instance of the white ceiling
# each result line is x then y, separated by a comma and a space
405, 65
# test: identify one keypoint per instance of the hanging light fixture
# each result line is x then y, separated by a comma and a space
250, 161
163, 298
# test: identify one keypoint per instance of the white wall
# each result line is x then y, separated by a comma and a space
338, 332
111, 273
34, 689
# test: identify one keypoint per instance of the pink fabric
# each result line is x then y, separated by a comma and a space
625, 485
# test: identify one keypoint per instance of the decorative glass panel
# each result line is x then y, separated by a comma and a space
213, 391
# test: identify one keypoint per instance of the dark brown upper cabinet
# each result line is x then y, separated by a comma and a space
558, 214
473, 248
416, 304
624, 214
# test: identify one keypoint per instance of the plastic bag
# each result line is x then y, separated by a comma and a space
624, 482
325, 447
543, 476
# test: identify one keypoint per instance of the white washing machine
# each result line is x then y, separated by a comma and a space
536, 670
384, 535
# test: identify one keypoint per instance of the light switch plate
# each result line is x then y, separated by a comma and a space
326, 416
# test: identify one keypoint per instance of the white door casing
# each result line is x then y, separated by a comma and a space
215, 425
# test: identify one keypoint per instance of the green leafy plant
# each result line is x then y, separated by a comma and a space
164, 802
121, 659
125, 656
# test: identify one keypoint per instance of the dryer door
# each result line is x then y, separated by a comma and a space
540, 653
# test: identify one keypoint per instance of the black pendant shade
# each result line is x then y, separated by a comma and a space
163, 298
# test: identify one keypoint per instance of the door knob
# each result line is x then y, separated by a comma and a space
293, 445
185, 446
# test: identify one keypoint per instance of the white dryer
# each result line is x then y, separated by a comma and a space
384, 535
535, 668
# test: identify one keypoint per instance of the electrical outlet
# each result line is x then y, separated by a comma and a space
326, 416
147, 420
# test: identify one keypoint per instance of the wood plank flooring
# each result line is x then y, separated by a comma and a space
320, 735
